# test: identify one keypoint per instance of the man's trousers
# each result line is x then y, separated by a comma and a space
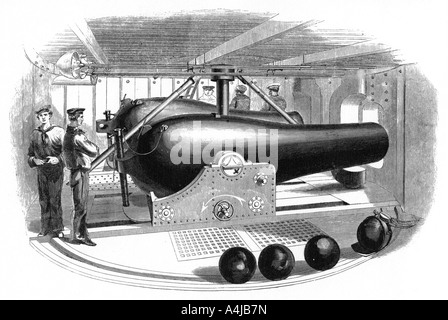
50, 189
79, 182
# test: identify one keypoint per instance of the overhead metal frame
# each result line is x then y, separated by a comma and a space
266, 31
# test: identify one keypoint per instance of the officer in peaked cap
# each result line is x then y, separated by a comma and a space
78, 151
240, 101
71, 112
45, 155
275, 97
208, 95
274, 87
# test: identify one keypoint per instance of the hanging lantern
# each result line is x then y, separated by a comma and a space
73, 65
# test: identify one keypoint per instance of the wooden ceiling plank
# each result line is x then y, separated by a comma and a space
80, 27
259, 34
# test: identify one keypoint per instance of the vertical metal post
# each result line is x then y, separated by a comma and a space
119, 150
107, 116
222, 88
361, 75
225, 96
219, 107
65, 106
94, 110
222, 96
400, 188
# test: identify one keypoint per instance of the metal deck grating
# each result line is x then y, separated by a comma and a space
204, 243
211, 242
288, 233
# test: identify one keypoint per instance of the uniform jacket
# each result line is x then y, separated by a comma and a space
278, 100
210, 99
78, 149
240, 102
46, 143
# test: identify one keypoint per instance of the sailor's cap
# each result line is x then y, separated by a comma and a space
241, 88
44, 108
73, 111
274, 86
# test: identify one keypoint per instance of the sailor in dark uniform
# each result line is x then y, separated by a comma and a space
78, 151
240, 101
45, 154
275, 97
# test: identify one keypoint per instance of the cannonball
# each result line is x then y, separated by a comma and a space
276, 262
237, 265
373, 234
322, 252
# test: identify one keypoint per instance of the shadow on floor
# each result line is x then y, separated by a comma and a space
301, 268
33, 223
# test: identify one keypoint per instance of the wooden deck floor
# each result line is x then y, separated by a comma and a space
187, 257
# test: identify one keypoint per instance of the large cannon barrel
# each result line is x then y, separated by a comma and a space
132, 111
172, 153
